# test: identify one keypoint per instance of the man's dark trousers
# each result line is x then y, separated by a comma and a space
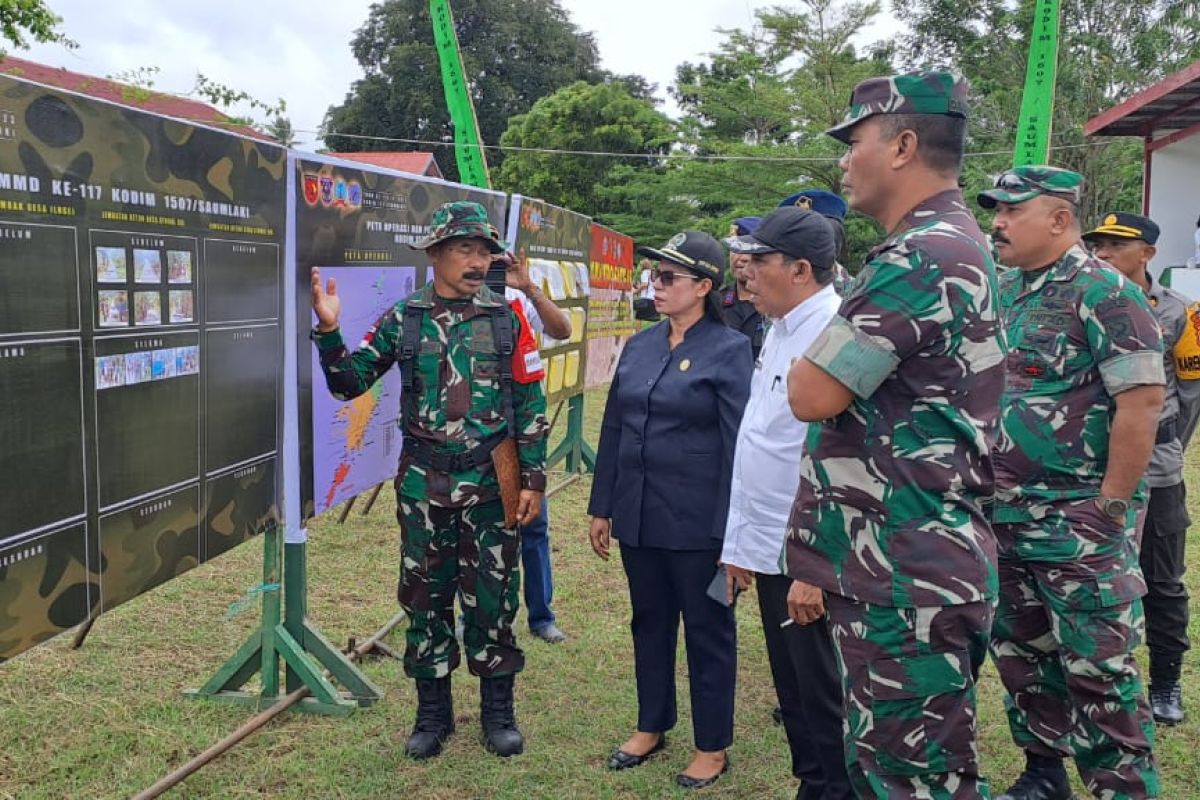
804, 668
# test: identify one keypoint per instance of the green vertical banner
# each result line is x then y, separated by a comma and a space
468, 147
1037, 102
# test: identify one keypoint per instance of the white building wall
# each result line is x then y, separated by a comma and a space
1175, 201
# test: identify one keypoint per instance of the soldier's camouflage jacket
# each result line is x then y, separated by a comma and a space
889, 507
460, 404
1078, 335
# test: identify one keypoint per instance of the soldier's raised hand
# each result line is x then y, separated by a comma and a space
325, 302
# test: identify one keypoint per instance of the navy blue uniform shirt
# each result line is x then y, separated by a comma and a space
666, 445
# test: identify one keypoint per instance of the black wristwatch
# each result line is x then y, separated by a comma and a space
1113, 507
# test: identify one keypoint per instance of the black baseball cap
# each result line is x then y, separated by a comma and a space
695, 251
1120, 225
795, 232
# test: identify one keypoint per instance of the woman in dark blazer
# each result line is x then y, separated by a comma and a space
662, 490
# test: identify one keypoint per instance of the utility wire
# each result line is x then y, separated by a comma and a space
653, 156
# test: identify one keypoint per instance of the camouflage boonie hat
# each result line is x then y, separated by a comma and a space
462, 219
1025, 183
913, 93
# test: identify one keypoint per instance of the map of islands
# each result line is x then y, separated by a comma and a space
357, 444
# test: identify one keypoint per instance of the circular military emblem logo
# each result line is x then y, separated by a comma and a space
676, 240
804, 202
1111, 219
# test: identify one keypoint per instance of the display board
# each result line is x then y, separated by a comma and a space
610, 306
356, 223
140, 352
557, 243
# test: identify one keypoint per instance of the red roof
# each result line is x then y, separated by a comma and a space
145, 99
414, 163
1173, 104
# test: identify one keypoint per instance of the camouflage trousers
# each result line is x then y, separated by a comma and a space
1063, 644
466, 552
908, 675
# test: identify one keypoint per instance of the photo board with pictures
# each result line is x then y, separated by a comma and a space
557, 244
141, 342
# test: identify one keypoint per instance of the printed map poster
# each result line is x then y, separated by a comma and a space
141, 287
557, 243
610, 307
355, 223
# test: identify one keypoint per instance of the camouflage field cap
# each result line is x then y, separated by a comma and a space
1025, 183
913, 93
462, 219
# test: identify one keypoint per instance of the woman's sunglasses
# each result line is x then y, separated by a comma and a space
667, 277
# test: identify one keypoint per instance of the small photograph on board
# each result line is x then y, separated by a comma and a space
110, 264
147, 266
110, 371
187, 360
181, 305
179, 266
114, 308
162, 364
138, 368
147, 308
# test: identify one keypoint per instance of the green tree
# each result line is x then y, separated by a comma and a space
1106, 53
513, 55
280, 129
754, 121
22, 20
587, 118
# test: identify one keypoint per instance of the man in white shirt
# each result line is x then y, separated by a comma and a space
543, 317
791, 278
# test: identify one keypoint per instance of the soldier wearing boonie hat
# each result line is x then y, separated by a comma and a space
471, 390
1126, 241
904, 563
1084, 378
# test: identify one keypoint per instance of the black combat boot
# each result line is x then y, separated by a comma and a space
1043, 779
435, 718
500, 732
1166, 701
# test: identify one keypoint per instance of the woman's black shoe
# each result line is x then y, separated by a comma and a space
622, 760
688, 782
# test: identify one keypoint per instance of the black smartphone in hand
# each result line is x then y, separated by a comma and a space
718, 587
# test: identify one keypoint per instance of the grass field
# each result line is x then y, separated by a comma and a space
108, 720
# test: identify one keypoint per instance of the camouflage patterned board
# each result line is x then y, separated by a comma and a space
240, 504
140, 259
558, 244
352, 219
45, 587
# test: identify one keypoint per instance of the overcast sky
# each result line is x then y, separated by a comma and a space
300, 49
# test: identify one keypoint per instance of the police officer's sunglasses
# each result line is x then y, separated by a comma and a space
667, 277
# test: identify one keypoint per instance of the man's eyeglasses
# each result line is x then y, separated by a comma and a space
667, 277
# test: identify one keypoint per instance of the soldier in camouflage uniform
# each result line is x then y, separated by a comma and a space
453, 535
888, 530
1126, 241
1083, 378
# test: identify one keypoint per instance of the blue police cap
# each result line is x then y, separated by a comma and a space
822, 201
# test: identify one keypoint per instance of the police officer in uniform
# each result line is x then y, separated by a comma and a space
1083, 380
451, 339
739, 312
1127, 242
